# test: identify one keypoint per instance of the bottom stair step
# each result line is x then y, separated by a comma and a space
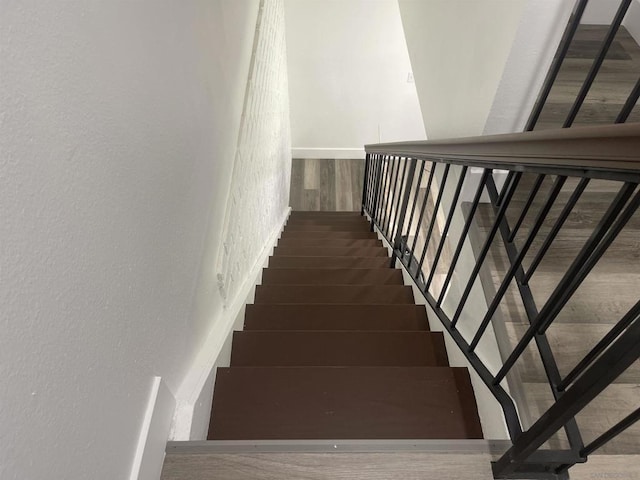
262, 403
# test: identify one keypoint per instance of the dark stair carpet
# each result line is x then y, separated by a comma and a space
334, 347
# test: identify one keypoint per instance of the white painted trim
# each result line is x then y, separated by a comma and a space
191, 418
149, 455
327, 153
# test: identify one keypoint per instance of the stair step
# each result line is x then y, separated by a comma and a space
324, 348
331, 251
329, 221
347, 227
315, 213
337, 294
352, 235
283, 261
327, 276
263, 403
335, 317
329, 242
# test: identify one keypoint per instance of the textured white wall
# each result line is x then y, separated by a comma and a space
119, 125
458, 51
259, 188
348, 69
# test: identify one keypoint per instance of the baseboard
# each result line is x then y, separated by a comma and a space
328, 153
149, 455
193, 401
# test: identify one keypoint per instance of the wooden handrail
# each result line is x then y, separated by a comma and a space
611, 148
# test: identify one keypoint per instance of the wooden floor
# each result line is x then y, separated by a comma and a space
605, 296
327, 185
319, 466
614, 82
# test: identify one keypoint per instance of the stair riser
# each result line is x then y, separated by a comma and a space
329, 242
313, 213
328, 262
329, 235
348, 227
374, 294
330, 252
326, 276
252, 349
336, 317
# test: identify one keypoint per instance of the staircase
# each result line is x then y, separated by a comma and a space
334, 347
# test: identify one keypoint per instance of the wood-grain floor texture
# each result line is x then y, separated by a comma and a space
319, 466
614, 82
607, 294
328, 185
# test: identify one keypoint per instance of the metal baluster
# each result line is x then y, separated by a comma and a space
505, 187
564, 215
487, 245
403, 210
365, 186
573, 277
542, 215
550, 79
434, 216
392, 193
527, 206
622, 354
629, 104
447, 225
601, 346
612, 433
463, 235
424, 204
383, 192
415, 200
597, 63
401, 191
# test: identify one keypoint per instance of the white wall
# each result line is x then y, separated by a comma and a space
632, 21
458, 50
536, 41
348, 69
256, 209
600, 12
119, 125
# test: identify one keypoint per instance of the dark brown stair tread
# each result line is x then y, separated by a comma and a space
331, 251
337, 294
330, 242
328, 276
335, 317
341, 348
358, 227
284, 261
262, 403
337, 222
303, 234
316, 213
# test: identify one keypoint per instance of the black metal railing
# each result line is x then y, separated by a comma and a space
435, 201
585, 88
